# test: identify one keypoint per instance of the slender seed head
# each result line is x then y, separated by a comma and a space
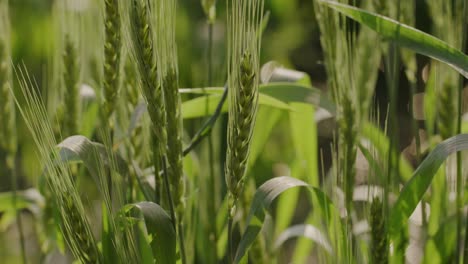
447, 109
165, 26
71, 84
379, 252
112, 53
7, 109
244, 22
75, 227
145, 56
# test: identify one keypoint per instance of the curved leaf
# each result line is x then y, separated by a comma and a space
29, 199
159, 227
92, 154
274, 72
307, 231
262, 200
299, 93
406, 36
414, 190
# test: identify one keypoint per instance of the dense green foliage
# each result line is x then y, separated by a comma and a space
358, 158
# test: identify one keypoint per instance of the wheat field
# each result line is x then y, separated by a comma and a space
235, 131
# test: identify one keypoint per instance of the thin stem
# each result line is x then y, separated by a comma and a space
229, 255
465, 247
212, 180
210, 53
417, 139
19, 223
392, 83
459, 198
208, 126
168, 191
157, 176
183, 255
178, 227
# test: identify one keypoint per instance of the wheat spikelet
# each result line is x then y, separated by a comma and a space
243, 67
348, 142
7, 109
74, 225
142, 39
71, 83
352, 98
447, 109
174, 140
131, 97
379, 241
77, 231
112, 53
168, 70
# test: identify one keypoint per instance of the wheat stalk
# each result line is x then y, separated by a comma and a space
112, 54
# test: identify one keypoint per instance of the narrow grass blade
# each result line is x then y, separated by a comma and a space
414, 190
267, 118
263, 198
304, 138
162, 236
308, 231
406, 36
443, 244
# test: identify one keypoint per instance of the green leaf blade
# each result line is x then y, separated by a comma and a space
406, 36
422, 178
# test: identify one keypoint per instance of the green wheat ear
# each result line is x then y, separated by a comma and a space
244, 23
112, 54
75, 227
71, 83
379, 240
165, 26
447, 109
7, 108
143, 50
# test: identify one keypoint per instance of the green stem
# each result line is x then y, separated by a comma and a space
459, 196
208, 126
417, 139
19, 223
229, 255
172, 211
183, 255
212, 180
168, 191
